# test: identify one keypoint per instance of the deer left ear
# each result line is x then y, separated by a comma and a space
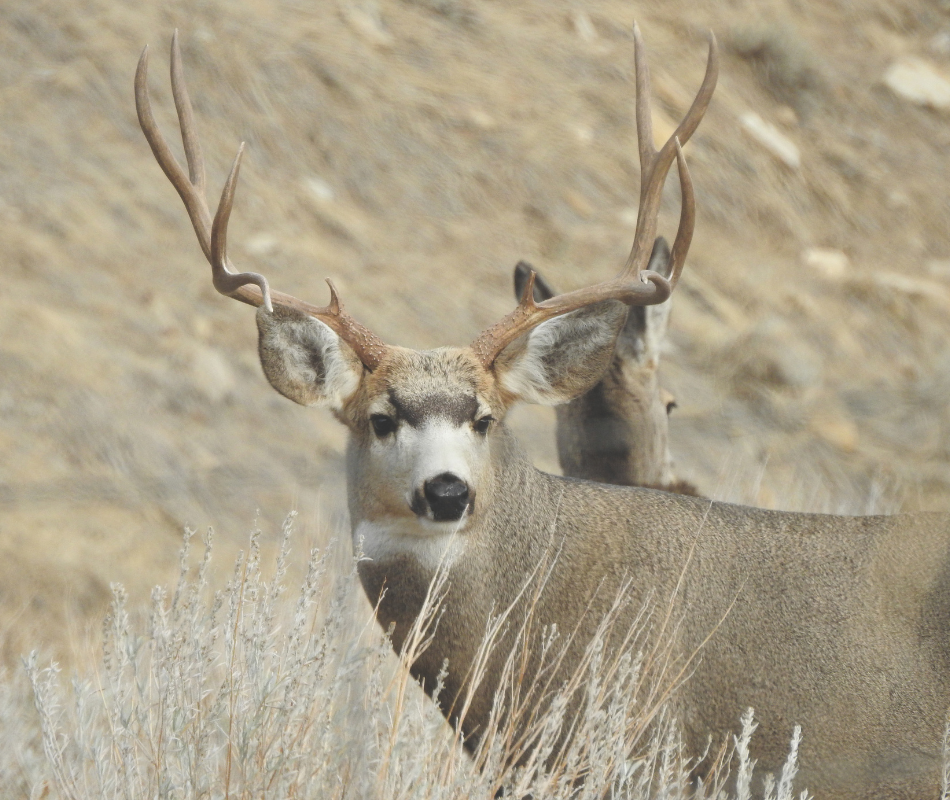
563, 357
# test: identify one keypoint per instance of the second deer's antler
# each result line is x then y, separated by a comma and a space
634, 285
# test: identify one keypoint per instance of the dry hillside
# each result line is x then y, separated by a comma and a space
415, 150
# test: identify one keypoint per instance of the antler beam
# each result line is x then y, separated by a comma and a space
635, 285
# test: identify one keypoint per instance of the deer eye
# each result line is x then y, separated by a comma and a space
482, 424
383, 425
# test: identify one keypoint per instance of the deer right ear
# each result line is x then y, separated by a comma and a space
305, 360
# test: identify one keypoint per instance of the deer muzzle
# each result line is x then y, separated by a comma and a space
446, 497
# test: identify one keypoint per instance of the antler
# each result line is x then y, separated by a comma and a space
248, 287
635, 285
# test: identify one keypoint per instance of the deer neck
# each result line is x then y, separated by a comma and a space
487, 563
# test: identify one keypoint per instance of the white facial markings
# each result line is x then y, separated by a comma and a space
437, 447
432, 544
440, 447
400, 518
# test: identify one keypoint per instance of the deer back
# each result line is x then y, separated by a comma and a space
838, 624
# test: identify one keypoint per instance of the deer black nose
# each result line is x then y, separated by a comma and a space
447, 496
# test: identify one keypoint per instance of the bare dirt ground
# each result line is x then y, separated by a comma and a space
414, 150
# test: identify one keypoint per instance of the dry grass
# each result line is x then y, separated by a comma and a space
248, 691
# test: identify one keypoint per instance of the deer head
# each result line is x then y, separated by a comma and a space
427, 438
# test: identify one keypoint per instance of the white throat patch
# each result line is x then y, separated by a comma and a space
430, 543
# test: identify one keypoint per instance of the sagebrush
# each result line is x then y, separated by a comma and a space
249, 691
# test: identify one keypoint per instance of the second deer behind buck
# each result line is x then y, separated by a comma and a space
618, 432
839, 624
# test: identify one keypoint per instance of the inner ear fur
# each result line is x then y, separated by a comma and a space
642, 334
563, 357
305, 360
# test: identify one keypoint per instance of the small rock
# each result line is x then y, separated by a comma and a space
202, 327
897, 200
584, 134
940, 44
367, 23
911, 286
786, 116
583, 26
838, 431
579, 203
919, 82
319, 189
767, 135
481, 119
828, 262
938, 267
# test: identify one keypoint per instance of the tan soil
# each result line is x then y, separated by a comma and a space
415, 150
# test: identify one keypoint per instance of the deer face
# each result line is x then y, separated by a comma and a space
420, 425
420, 461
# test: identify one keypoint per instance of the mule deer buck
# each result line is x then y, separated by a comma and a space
839, 624
618, 431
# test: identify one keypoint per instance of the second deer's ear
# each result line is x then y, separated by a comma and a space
563, 357
306, 361
642, 336
542, 289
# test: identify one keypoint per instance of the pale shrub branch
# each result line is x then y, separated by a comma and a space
244, 692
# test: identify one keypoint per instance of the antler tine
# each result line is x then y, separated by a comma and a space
655, 164
191, 188
634, 285
644, 113
194, 202
186, 115
224, 280
248, 287
684, 232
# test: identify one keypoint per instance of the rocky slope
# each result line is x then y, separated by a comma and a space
415, 150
